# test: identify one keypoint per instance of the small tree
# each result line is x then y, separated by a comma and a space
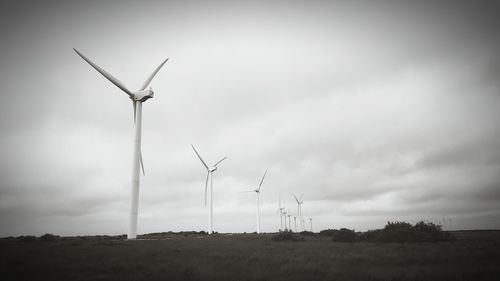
328, 232
26, 238
344, 235
47, 237
287, 235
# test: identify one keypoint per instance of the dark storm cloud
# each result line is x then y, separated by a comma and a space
467, 153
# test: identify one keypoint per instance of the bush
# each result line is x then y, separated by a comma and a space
287, 235
398, 225
431, 232
26, 238
47, 237
403, 232
344, 235
370, 235
306, 233
328, 232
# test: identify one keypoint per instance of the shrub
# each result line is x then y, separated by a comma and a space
398, 225
287, 235
344, 235
370, 235
26, 238
328, 232
431, 232
306, 233
403, 232
47, 237
8, 238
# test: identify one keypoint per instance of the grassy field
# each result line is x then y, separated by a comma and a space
474, 256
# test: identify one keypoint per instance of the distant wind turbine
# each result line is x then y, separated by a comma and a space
137, 97
257, 191
284, 216
210, 171
299, 208
289, 220
280, 211
295, 222
311, 221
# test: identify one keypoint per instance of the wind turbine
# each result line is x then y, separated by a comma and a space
295, 222
210, 170
284, 215
137, 97
289, 220
311, 221
257, 191
280, 211
299, 208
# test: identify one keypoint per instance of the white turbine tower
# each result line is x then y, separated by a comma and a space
137, 97
284, 216
295, 222
311, 221
280, 211
289, 220
210, 170
299, 208
257, 191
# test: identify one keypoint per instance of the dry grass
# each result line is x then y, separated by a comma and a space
474, 256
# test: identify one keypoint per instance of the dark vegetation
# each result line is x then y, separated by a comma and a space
344, 235
287, 235
404, 232
474, 255
47, 237
393, 232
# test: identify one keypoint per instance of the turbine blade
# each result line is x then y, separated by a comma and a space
262, 180
142, 166
206, 186
108, 76
247, 191
300, 198
218, 162
204, 164
152, 75
296, 198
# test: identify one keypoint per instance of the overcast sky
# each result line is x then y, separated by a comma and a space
376, 111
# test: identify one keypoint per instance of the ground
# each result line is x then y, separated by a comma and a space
474, 256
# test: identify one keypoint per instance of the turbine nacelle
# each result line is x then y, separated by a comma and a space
212, 169
143, 95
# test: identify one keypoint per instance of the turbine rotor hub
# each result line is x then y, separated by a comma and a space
143, 95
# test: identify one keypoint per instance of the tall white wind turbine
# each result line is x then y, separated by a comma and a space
210, 171
311, 221
295, 222
299, 209
257, 191
137, 97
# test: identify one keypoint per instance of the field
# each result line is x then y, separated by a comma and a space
474, 256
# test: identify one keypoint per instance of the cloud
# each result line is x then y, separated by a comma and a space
374, 111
